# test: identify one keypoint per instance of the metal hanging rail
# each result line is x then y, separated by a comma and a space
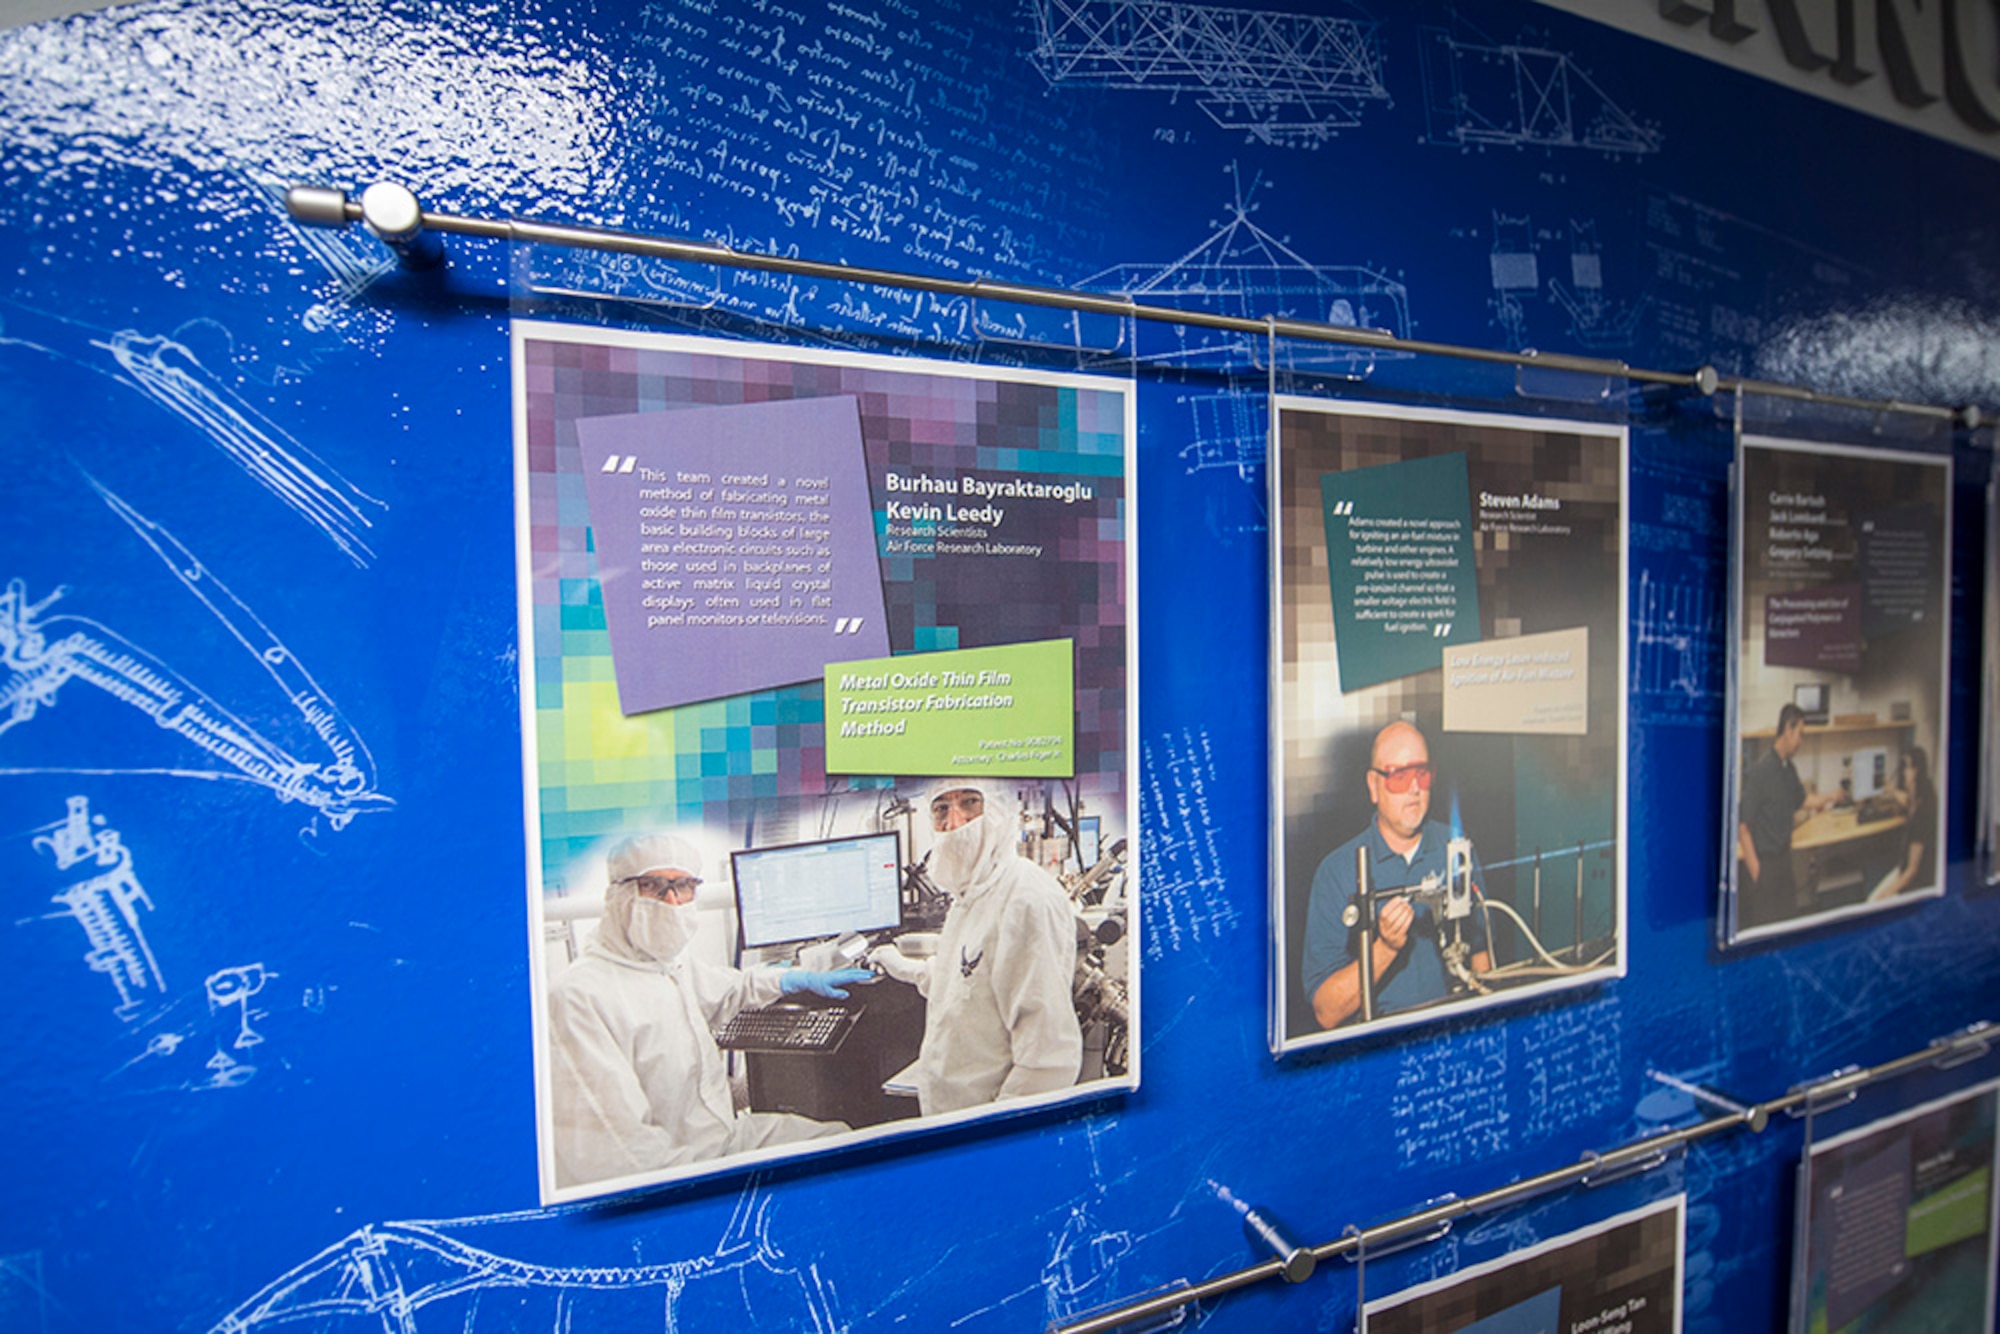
392, 213
1968, 1044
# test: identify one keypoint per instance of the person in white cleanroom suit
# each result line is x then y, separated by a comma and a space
637, 1081
999, 1022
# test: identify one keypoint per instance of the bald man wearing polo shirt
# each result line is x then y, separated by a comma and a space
1403, 846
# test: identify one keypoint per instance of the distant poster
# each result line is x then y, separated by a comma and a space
1896, 1231
1839, 697
1448, 712
828, 698
1622, 1276
1989, 771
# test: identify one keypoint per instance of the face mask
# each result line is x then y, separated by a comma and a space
956, 855
660, 930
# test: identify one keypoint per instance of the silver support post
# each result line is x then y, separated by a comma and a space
1364, 957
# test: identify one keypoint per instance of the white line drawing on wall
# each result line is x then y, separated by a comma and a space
412, 1278
1190, 908
171, 375
227, 1072
1230, 433
235, 986
1082, 1270
1242, 270
40, 654
24, 1299
160, 1044
1284, 79
105, 903
1595, 320
1510, 95
1676, 631
352, 257
1515, 269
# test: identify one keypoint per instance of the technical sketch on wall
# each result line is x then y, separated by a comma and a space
1231, 431
1480, 93
1677, 660
23, 1297
42, 653
169, 373
1082, 1271
351, 256
1705, 314
235, 986
102, 893
423, 1277
1679, 623
1287, 80
1185, 858
1596, 320
783, 129
105, 901
1592, 318
1242, 270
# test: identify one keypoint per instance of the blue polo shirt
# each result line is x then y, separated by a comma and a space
1417, 977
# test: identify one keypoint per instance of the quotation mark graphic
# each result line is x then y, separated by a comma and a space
620, 463
1343, 507
848, 625
1441, 629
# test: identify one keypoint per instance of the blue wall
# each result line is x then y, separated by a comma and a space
317, 817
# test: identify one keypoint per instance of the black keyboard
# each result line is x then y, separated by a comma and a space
788, 1027
1870, 809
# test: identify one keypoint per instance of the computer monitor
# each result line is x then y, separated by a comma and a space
1089, 840
1811, 697
808, 891
1868, 771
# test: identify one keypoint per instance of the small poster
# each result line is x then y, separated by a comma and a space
1448, 731
1839, 693
1896, 1230
828, 702
1622, 1276
1989, 773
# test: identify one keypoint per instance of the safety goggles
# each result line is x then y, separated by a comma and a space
970, 805
1403, 777
670, 888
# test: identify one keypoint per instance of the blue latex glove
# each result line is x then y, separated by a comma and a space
823, 984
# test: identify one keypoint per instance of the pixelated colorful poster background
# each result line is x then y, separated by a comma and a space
600, 773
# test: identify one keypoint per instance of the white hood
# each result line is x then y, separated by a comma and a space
968, 859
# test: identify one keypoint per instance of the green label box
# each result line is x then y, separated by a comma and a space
1006, 711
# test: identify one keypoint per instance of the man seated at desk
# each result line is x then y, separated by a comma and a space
1772, 803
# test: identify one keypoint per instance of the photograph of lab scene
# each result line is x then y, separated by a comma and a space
1467, 867
1838, 796
838, 970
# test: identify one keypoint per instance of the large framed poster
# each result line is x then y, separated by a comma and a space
1448, 712
1838, 688
1896, 1224
827, 716
1621, 1276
